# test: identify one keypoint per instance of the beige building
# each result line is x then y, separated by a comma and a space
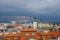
44, 26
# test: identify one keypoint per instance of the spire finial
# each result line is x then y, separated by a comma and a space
34, 19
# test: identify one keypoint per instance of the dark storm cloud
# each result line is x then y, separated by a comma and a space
36, 6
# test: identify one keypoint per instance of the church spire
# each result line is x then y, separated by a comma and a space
34, 19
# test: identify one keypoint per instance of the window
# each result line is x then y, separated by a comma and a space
32, 39
27, 34
33, 33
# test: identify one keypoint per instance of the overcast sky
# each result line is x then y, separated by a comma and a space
30, 8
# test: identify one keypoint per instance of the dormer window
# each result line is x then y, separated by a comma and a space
32, 39
33, 34
27, 34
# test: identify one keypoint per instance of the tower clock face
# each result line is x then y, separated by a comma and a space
32, 39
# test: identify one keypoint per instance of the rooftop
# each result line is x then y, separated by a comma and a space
29, 30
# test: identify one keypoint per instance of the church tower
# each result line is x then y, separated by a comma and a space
35, 23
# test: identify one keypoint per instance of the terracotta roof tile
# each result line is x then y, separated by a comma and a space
15, 25
55, 34
44, 33
28, 29
11, 34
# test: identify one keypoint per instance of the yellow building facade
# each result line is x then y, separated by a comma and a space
44, 26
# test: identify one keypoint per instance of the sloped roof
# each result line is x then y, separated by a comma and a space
28, 29
15, 25
12, 34
55, 34
44, 33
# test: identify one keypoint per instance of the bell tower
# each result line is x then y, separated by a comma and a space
35, 23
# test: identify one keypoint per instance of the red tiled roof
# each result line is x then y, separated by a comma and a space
12, 34
15, 25
55, 34
44, 33
28, 29
52, 34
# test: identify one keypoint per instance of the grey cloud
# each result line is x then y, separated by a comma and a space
36, 6
42, 6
